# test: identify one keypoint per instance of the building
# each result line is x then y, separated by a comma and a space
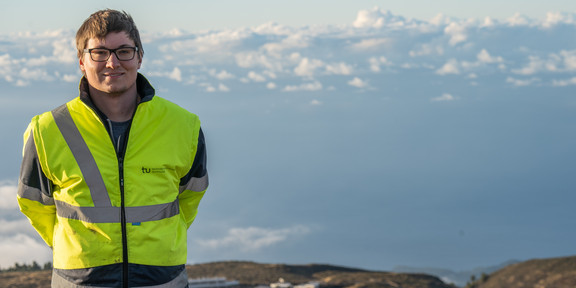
214, 282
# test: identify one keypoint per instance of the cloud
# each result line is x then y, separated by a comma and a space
451, 67
357, 82
8, 192
377, 18
375, 39
22, 248
222, 75
256, 77
566, 82
307, 67
444, 98
315, 102
457, 33
313, 86
485, 57
339, 69
371, 44
523, 82
252, 239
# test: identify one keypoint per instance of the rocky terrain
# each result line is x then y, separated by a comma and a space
252, 274
538, 273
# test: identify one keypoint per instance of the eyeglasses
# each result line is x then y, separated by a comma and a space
102, 54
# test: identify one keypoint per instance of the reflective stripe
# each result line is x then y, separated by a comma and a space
181, 281
83, 156
34, 194
196, 184
112, 214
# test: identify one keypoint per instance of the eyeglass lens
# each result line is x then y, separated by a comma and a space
123, 54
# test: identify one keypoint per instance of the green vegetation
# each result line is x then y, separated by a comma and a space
28, 267
475, 283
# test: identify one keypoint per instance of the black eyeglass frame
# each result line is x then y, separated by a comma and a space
110, 51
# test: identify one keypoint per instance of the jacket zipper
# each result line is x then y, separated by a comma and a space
120, 152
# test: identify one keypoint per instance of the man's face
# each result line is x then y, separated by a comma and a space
112, 76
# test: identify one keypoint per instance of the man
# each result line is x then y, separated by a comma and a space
112, 179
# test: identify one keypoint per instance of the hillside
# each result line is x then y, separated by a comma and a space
552, 272
253, 274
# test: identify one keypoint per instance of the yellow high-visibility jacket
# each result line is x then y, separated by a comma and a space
114, 215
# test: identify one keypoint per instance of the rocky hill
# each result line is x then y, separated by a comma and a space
251, 274
254, 274
538, 273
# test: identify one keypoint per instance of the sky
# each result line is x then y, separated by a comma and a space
371, 134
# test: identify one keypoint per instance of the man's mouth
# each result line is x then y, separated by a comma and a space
113, 75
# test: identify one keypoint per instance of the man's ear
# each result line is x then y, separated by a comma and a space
81, 64
140, 60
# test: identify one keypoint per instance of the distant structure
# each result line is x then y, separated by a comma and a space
214, 282
283, 284
308, 285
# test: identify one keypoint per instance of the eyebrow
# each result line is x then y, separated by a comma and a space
104, 47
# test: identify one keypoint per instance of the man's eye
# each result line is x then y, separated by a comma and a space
124, 51
99, 52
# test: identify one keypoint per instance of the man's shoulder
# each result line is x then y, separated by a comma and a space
171, 107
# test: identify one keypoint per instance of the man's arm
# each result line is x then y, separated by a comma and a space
194, 184
35, 191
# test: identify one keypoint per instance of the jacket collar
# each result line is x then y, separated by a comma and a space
145, 90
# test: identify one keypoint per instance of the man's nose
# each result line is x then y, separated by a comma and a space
112, 60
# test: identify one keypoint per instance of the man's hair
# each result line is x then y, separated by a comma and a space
102, 22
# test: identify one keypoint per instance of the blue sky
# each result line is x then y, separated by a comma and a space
351, 134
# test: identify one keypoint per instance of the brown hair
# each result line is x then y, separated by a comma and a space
102, 22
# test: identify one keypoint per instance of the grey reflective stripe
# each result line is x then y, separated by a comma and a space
181, 281
34, 194
112, 214
196, 184
83, 156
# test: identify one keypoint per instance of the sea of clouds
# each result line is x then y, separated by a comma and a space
379, 55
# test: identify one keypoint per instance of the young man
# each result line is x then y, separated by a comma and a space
112, 179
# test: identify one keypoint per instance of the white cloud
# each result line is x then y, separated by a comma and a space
176, 74
376, 62
253, 238
427, 49
519, 20
256, 77
22, 248
223, 88
371, 44
457, 33
8, 195
357, 82
339, 69
313, 86
566, 82
485, 57
523, 82
451, 67
377, 18
222, 75
307, 67
271, 85
445, 97
315, 102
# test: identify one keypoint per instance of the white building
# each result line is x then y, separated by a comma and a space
214, 282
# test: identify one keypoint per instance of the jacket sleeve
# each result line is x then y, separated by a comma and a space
194, 184
35, 191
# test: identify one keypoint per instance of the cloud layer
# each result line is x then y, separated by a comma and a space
522, 51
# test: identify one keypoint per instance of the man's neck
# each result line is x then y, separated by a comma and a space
117, 107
